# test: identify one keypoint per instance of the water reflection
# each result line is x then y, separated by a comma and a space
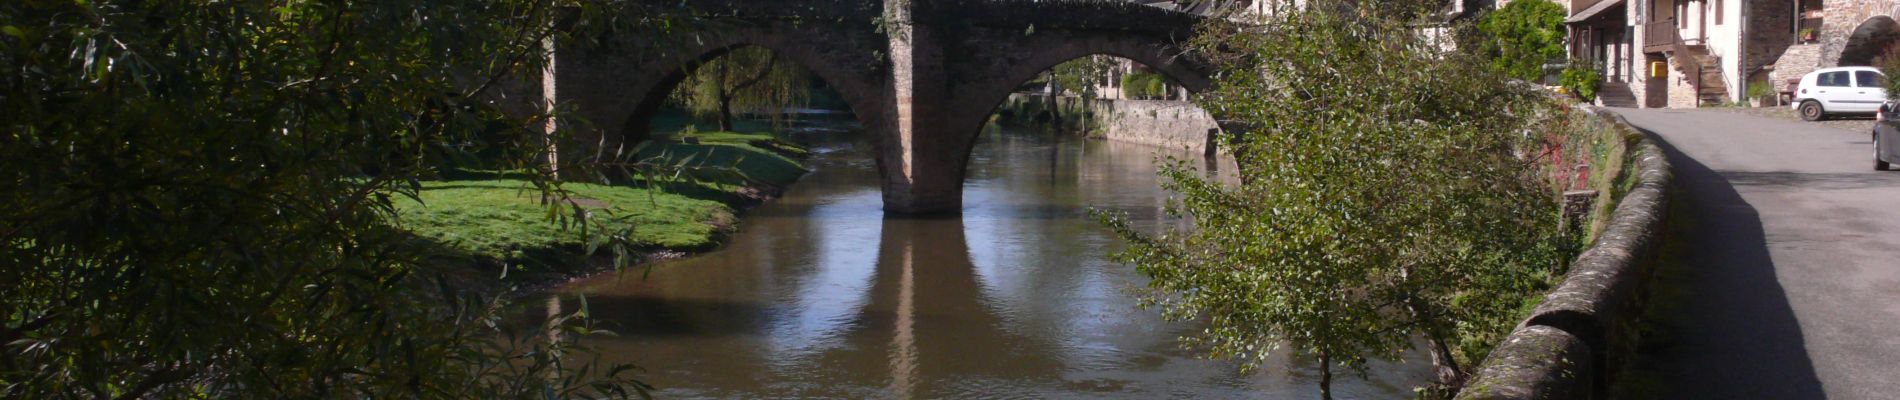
822, 296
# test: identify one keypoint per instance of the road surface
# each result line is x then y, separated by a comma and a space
1784, 265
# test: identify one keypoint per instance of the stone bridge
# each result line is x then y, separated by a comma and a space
923, 76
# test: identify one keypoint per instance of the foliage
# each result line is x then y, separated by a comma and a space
1890, 67
1145, 85
1582, 79
1082, 76
197, 198
1378, 205
1760, 89
1521, 37
746, 80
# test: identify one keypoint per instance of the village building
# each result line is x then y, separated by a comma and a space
1692, 53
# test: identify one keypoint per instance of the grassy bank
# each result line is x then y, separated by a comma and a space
493, 221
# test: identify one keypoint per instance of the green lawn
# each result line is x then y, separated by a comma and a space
493, 221
504, 220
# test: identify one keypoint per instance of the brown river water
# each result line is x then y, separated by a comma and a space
821, 296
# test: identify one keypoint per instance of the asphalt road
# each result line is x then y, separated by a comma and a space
1784, 269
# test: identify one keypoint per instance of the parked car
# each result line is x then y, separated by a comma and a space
1886, 136
1844, 90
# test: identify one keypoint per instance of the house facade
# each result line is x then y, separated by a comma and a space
1691, 53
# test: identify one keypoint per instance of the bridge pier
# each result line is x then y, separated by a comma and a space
921, 156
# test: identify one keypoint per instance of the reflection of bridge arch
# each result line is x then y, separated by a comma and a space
922, 75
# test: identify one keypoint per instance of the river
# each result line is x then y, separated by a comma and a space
821, 296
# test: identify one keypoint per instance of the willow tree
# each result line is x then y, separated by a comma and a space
748, 79
196, 198
1384, 197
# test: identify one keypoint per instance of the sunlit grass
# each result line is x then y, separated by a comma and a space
687, 207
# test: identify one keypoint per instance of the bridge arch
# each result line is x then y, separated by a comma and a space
980, 91
1162, 56
623, 91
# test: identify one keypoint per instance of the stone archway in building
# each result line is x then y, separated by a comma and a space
1870, 41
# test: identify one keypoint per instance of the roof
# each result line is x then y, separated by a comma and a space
1594, 11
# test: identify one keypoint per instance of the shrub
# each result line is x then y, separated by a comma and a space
198, 200
1145, 85
1521, 37
1581, 79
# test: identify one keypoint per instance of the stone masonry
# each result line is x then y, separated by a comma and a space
1161, 123
922, 76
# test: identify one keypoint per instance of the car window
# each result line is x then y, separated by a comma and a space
1835, 79
1869, 79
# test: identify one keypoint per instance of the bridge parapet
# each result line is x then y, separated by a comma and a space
1106, 15
828, 11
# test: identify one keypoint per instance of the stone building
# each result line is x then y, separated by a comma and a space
1690, 53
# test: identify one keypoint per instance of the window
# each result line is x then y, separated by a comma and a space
1869, 79
1718, 12
1833, 79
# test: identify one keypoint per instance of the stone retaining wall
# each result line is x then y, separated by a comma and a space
1564, 350
1161, 123
1171, 124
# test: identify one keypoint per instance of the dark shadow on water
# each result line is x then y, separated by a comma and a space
1725, 327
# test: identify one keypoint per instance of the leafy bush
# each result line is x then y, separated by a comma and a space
1145, 85
1890, 66
199, 199
1760, 89
1375, 207
1581, 79
1523, 36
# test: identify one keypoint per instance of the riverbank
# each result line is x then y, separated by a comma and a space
498, 225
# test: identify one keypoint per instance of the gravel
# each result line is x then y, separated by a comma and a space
1854, 123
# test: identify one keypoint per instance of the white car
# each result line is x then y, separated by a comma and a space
1844, 90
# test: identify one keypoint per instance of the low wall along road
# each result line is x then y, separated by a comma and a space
1570, 343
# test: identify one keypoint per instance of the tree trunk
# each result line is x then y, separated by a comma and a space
725, 97
1445, 365
1055, 107
725, 112
1325, 376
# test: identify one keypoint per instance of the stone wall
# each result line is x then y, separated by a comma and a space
1564, 350
1160, 123
1799, 60
1681, 93
1770, 35
1841, 17
1171, 124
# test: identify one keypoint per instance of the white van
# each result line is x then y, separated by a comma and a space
1844, 90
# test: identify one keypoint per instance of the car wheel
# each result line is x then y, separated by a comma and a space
1811, 111
1879, 165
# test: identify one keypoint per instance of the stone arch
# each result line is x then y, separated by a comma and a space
1160, 55
977, 99
1870, 41
623, 91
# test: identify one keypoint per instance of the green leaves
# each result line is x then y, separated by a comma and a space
1521, 37
1383, 198
197, 198
1581, 78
